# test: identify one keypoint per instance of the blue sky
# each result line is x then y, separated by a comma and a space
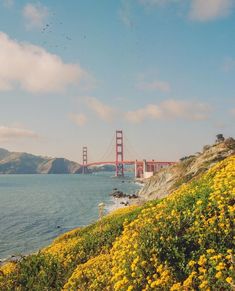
72, 73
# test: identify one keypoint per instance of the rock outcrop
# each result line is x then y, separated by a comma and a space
168, 179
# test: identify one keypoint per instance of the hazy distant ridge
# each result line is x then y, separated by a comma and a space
24, 163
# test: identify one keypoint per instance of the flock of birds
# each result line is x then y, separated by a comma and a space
54, 37
51, 38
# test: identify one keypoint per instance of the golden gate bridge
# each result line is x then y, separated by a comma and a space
143, 168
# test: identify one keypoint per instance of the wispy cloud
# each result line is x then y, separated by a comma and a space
34, 69
78, 119
156, 2
204, 10
35, 15
233, 112
219, 125
170, 109
154, 86
125, 13
9, 133
151, 111
200, 10
228, 65
103, 111
8, 3
167, 110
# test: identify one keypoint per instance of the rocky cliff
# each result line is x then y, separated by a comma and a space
188, 168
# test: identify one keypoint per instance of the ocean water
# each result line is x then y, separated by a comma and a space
34, 209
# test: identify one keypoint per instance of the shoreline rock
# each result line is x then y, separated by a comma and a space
120, 194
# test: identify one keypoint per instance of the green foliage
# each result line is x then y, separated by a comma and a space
50, 268
99, 237
37, 272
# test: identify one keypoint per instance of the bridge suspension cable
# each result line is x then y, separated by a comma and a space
130, 150
121, 144
109, 153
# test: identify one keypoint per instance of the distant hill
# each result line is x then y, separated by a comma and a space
24, 163
103, 168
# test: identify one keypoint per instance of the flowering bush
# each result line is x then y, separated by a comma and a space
93, 275
79, 245
35, 272
185, 242
66, 253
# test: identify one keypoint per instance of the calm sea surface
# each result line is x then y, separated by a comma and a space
34, 209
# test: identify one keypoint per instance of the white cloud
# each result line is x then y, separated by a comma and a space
155, 85
170, 109
7, 133
151, 111
79, 119
34, 69
35, 15
204, 10
102, 110
8, 3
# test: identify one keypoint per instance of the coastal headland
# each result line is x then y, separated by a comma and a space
184, 240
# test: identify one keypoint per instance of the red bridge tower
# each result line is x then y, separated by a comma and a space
119, 154
84, 160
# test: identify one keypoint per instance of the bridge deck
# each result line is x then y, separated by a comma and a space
129, 163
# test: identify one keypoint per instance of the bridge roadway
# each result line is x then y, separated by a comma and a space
143, 169
128, 163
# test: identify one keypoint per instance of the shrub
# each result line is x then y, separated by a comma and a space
36, 272
168, 245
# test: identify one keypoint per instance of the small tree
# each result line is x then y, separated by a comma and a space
219, 138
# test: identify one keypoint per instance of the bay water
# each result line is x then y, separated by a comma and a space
34, 209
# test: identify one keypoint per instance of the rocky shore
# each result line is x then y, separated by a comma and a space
12, 259
122, 199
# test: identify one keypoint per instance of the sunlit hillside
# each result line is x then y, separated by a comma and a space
182, 242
